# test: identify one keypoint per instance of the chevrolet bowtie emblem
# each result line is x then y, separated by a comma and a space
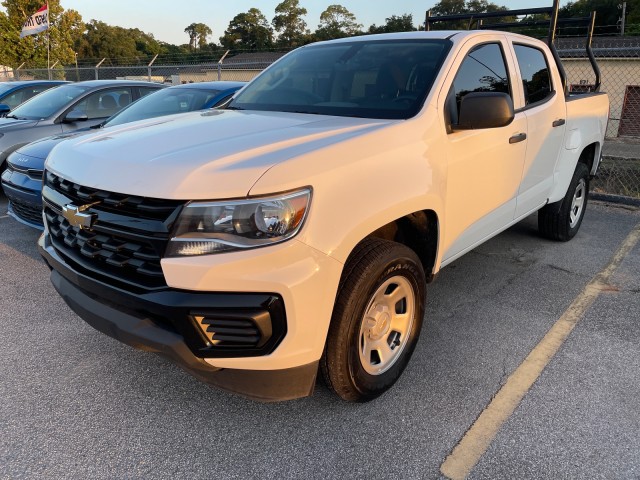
77, 218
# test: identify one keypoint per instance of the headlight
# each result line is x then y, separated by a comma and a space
215, 227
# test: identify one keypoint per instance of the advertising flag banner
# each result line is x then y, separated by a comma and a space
36, 23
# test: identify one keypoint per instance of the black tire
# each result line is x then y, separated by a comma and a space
561, 221
373, 264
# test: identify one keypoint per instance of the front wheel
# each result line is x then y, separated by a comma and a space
376, 320
562, 222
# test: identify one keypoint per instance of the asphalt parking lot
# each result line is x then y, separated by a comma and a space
77, 404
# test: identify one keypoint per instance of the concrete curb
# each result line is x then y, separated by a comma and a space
619, 199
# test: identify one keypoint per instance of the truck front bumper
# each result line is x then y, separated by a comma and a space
139, 320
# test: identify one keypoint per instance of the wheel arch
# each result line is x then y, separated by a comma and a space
590, 156
419, 231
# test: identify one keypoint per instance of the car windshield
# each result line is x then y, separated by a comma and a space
370, 79
5, 87
164, 102
49, 102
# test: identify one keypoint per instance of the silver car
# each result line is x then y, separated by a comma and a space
65, 109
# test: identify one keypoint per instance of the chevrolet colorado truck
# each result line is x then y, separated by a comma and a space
295, 232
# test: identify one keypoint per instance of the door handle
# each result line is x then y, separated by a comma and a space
558, 123
519, 137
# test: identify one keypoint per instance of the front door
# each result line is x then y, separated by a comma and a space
484, 166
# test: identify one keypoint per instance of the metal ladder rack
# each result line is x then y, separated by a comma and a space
553, 23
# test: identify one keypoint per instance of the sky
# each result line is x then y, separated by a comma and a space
167, 19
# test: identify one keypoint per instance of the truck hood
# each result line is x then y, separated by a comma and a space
199, 155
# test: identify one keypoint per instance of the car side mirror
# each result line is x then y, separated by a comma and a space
76, 116
4, 109
480, 110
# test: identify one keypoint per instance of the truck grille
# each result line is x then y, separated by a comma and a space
126, 241
27, 212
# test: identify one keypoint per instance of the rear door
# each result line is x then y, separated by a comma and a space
545, 110
484, 166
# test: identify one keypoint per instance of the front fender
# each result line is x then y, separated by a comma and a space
363, 183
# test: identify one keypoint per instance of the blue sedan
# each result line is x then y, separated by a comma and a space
22, 180
13, 94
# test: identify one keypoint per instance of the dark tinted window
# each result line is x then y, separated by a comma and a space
104, 103
144, 91
374, 79
16, 97
50, 102
483, 70
535, 74
22, 95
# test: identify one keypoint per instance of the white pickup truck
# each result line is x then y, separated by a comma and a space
295, 231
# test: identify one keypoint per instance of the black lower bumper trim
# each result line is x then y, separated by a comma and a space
144, 333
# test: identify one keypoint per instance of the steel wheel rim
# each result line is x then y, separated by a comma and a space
386, 325
577, 205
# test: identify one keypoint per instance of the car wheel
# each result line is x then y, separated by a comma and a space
376, 320
562, 222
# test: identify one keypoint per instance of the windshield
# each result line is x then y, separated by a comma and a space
48, 102
374, 79
5, 87
164, 102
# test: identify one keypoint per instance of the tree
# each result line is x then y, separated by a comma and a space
607, 13
193, 36
198, 33
203, 32
117, 44
455, 7
395, 23
289, 23
105, 41
65, 27
632, 24
145, 42
449, 7
250, 31
337, 22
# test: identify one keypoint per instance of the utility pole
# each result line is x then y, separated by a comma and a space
624, 14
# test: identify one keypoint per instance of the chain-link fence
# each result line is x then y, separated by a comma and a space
619, 62
618, 59
241, 67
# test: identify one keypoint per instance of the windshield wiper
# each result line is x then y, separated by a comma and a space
232, 108
13, 116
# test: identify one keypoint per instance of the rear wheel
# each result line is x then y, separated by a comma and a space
562, 222
376, 320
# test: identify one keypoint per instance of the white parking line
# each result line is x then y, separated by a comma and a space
478, 438
4, 216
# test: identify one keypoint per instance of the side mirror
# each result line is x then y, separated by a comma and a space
76, 116
480, 110
4, 109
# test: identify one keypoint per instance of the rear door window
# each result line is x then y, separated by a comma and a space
536, 79
104, 103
